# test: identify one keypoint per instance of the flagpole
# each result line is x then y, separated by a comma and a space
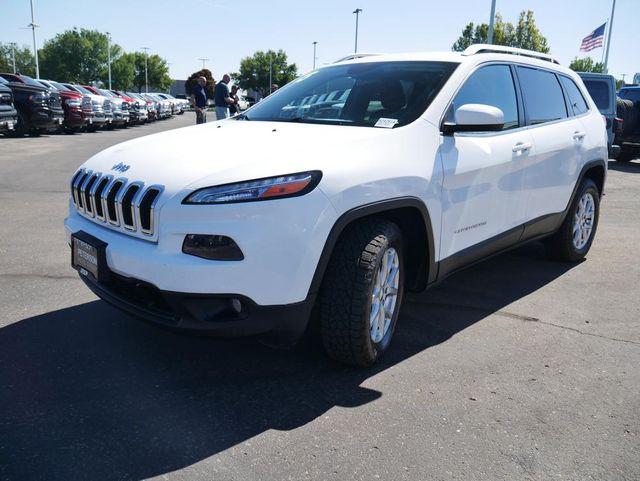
606, 52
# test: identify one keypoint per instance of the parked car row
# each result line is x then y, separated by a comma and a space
30, 106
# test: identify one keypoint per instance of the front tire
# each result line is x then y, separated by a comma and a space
575, 236
361, 292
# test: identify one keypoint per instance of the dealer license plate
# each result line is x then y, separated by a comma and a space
85, 257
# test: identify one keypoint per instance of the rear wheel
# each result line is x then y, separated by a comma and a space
575, 236
361, 293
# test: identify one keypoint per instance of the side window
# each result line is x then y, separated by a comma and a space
491, 85
543, 98
599, 92
576, 99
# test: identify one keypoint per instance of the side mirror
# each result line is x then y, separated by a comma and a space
475, 118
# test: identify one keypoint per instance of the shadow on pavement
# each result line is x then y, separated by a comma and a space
631, 167
88, 393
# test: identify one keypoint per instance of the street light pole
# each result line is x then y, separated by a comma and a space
491, 19
203, 61
146, 69
314, 54
109, 56
357, 12
33, 26
13, 56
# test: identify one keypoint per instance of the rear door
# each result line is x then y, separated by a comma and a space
558, 137
482, 187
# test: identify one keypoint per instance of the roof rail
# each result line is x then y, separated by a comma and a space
486, 48
355, 56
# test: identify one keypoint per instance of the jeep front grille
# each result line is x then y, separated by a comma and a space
115, 202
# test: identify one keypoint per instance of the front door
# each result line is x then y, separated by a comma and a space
482, 194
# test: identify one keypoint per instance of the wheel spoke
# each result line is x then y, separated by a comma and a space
384, 295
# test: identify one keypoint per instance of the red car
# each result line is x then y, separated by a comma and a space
77, 107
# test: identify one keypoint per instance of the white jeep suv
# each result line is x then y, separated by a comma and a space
411, 168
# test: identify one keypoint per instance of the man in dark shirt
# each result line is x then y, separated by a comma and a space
223, 98
199, 100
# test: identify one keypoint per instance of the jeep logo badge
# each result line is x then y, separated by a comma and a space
120, 167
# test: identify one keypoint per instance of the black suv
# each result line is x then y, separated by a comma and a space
8, 114
39, 109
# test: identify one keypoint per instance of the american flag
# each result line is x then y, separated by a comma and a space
594, 40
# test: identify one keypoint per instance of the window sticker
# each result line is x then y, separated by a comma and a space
386, 123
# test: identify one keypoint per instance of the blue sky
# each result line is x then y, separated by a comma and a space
225, 31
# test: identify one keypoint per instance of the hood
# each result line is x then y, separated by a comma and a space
97, 98
231, 151
26, 88
68, 94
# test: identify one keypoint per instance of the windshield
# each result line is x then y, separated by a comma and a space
83, 90
630, 94
106, 93
383, 94
59, 86
29, 81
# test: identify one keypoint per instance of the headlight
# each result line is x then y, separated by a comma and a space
39, 97
254, 190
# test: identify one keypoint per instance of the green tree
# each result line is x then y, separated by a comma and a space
193, 78
524, 35
25, 62
123, 71
76, 56
157, 70
254, 71
586, 64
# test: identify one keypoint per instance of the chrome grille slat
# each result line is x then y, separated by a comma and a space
116, 189
80, 189
96, 196
86, 193
158, 189
102, 198
126, 204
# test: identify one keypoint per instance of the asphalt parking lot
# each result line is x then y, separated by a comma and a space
515, 369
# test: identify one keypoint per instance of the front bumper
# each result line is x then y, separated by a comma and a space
98, 118
45, 119
8, 120
218, 315
281, 241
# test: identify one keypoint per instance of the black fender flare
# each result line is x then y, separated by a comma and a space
366, 210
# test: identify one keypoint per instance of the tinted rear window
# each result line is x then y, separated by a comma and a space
576, 100
543, 97
599, 92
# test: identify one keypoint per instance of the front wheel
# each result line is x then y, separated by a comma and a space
575, 236
361, 293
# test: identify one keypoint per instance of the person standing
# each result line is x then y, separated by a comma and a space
223, 98
234, 108
199, 100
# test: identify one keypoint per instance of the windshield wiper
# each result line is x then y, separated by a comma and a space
318, 121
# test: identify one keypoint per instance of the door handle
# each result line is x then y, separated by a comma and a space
577, 135
521, 146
